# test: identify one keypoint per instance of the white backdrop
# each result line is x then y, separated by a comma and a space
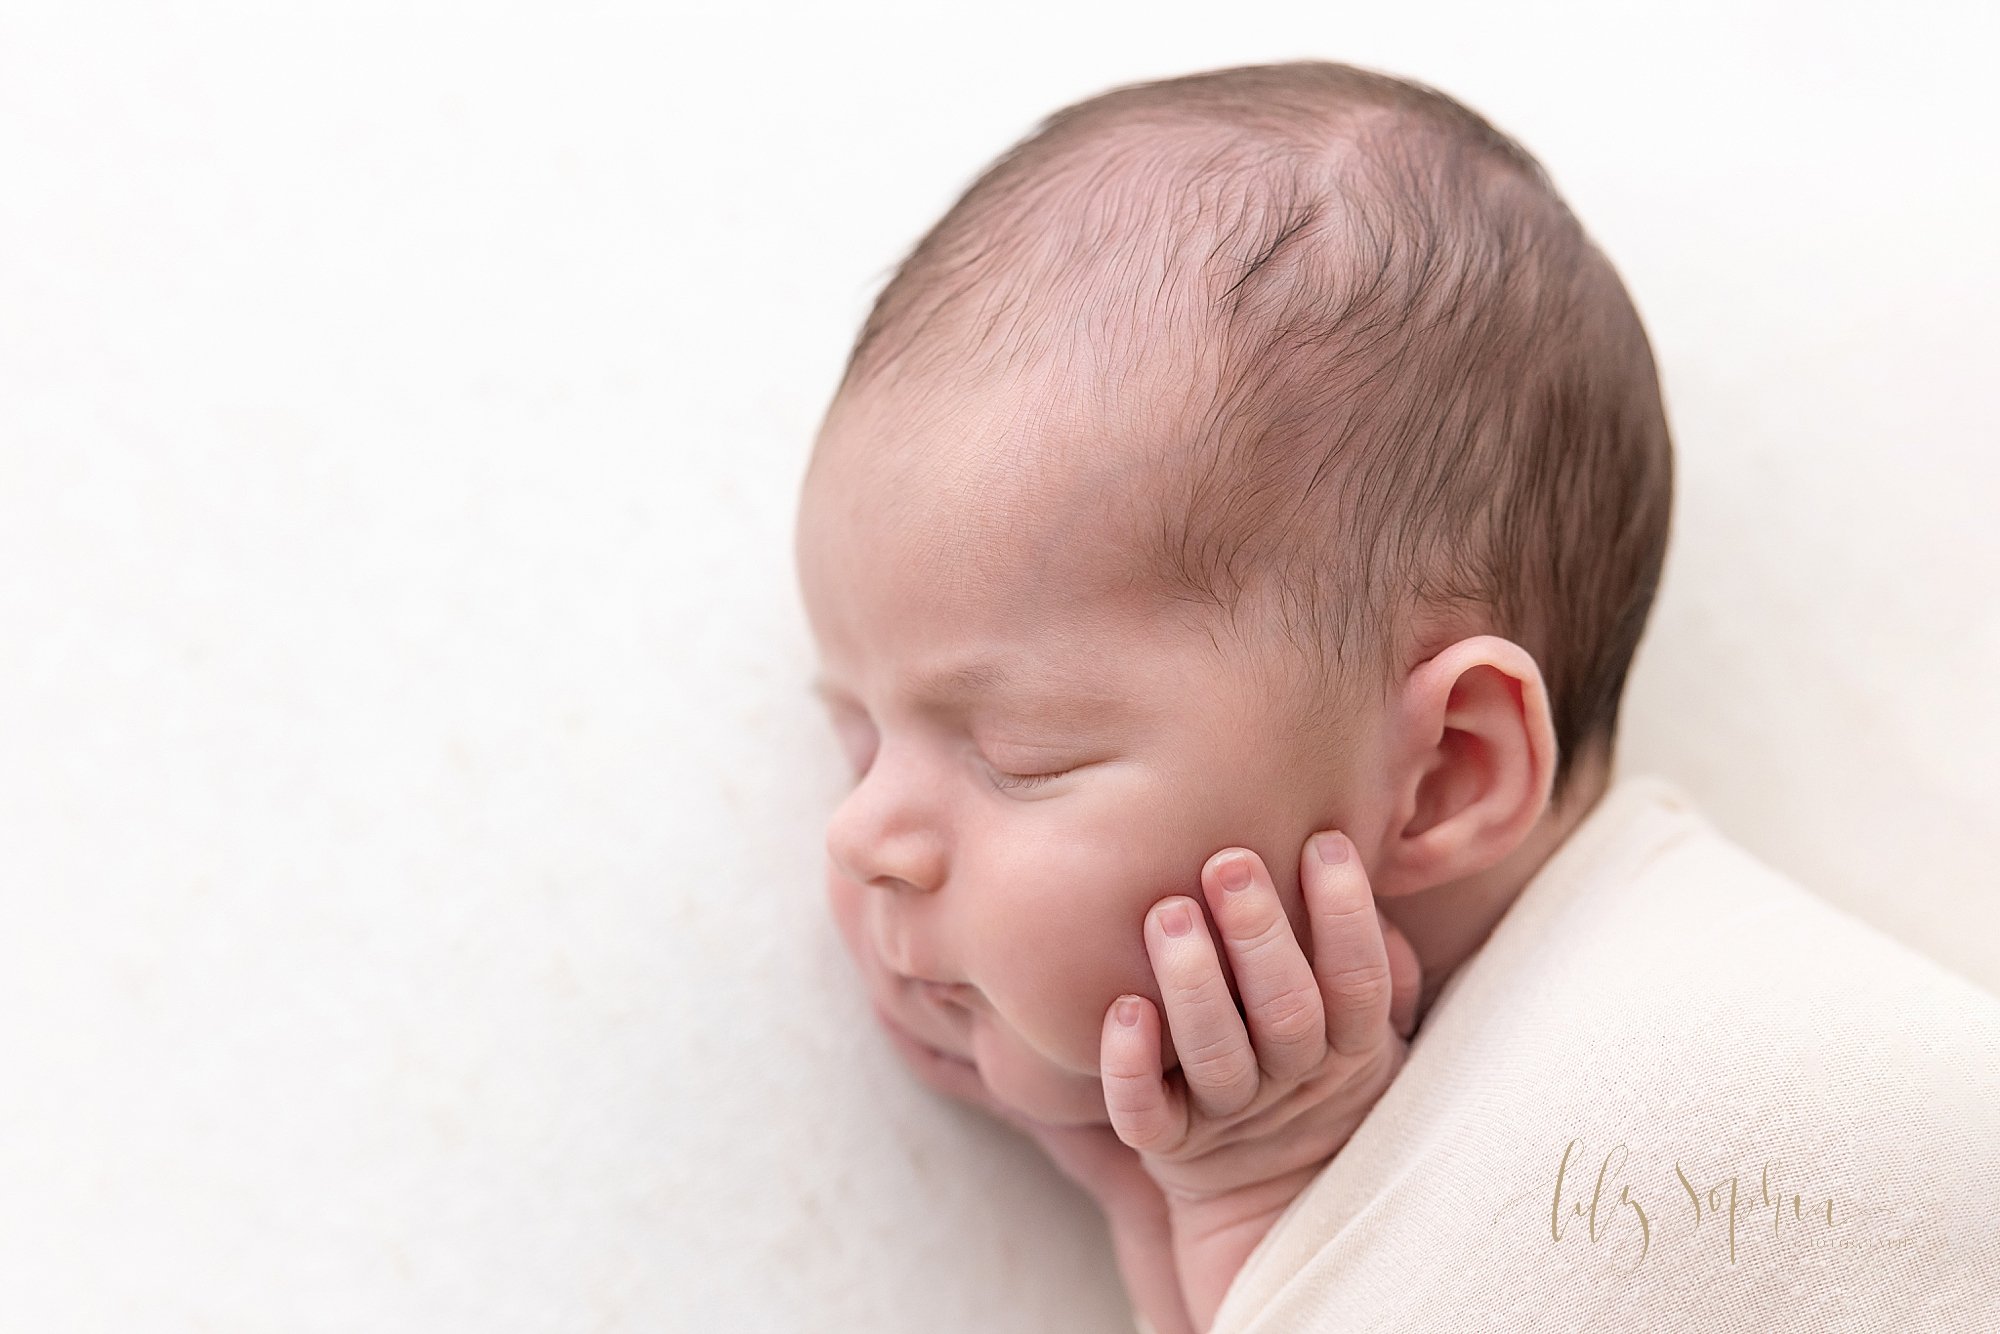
412, 805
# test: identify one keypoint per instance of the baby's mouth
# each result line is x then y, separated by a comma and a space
897, 1030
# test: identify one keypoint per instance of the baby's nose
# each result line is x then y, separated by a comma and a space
876, 840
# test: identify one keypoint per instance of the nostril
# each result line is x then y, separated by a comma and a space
951, 995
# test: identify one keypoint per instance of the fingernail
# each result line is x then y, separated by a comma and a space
1174, 919
1332, 848
1127, 1011
1234, 874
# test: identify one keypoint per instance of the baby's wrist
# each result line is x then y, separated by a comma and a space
1213, 1236
1137, 1203
1142, 1239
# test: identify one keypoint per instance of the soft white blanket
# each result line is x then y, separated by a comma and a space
1673, 1091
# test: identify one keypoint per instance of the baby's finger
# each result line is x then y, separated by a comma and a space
1349, 958
1406, 977
1280, 994
1216, 1060
1146, 1113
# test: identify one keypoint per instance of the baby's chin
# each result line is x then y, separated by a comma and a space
1003, 1068
1036, 1086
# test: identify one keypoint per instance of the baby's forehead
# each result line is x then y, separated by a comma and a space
1036, 457
994, 505
984, 502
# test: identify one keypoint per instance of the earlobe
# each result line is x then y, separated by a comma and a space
1477, 761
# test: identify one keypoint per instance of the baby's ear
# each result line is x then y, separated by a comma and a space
1474, 762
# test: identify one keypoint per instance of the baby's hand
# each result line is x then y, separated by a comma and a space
1241, 1129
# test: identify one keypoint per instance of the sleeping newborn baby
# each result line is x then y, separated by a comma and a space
1225, 552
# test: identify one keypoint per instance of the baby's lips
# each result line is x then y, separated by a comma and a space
910, 1041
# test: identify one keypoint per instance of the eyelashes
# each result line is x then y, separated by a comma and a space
857, 738
1019, 782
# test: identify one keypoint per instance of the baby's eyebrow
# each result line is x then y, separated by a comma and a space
945, 685
963, 682
972, 680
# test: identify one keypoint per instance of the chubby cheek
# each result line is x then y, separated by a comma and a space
1012, 1066
1068, 938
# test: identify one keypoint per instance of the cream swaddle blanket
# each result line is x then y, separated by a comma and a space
1673, 1091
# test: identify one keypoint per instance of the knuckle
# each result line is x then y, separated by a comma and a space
1218, 1060
1186, 965
1140, 1129
1211, 1053
1128, 1092
1343, 910
1359, 984
1292, 1016
1134, 1109
1258, 938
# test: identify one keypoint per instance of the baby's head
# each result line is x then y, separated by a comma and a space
1243, 454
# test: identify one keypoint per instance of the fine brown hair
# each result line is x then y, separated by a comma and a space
1398, 394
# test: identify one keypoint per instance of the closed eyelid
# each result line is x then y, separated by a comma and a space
1026, 782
